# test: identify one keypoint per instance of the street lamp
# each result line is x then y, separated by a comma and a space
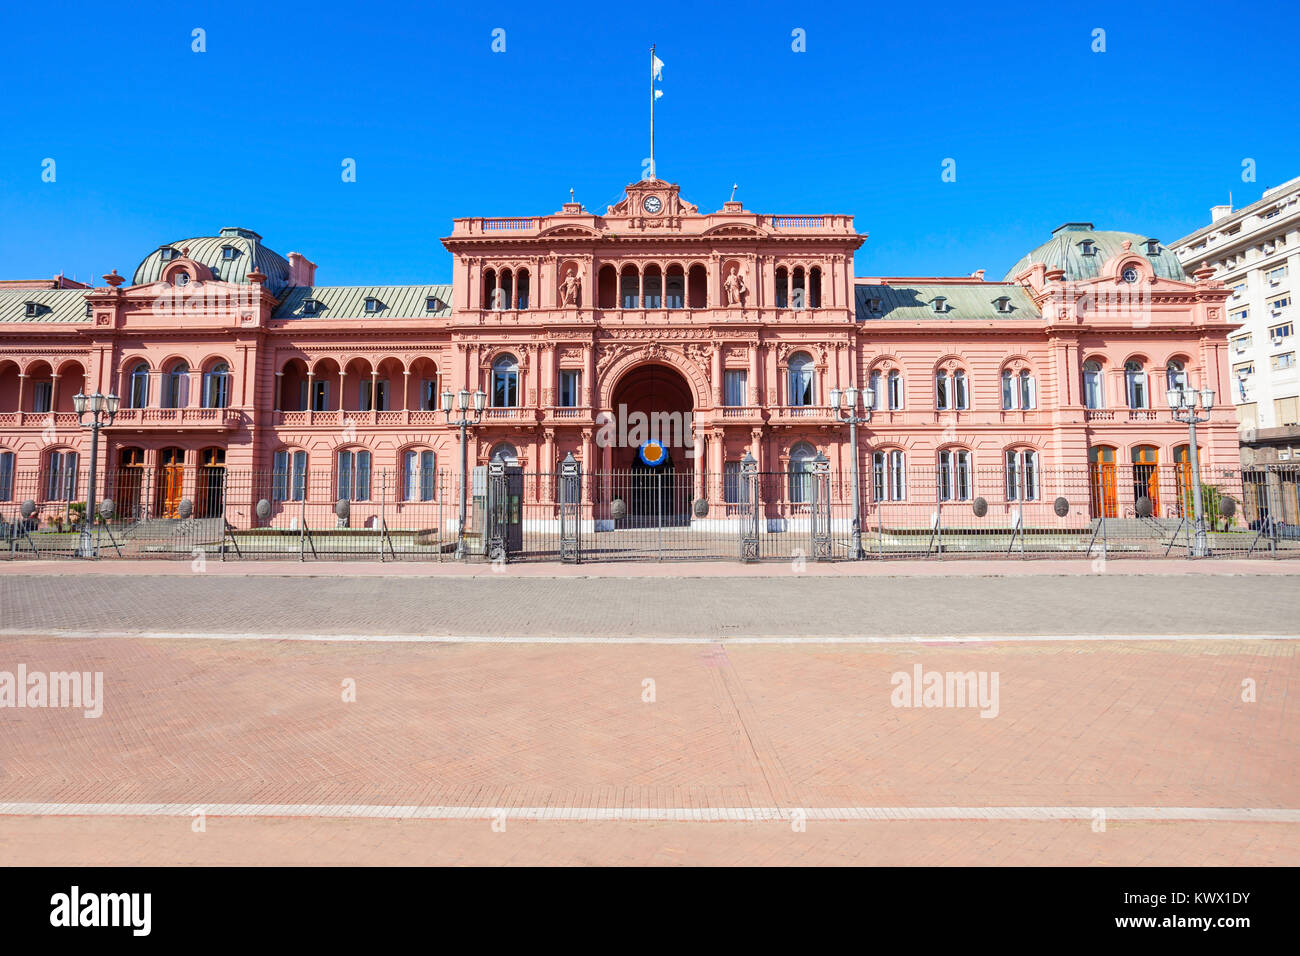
844, 406
464, 420
102, 409
1183, 404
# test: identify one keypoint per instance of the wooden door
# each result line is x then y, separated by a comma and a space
1105, 501
171, 479
1183, 475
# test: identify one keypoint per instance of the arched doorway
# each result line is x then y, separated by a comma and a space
652, 457
212, 483
171, 481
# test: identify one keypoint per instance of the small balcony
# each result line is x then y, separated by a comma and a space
145, 418
801, 415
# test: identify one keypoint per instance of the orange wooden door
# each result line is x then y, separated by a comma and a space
1105, 501
171, 478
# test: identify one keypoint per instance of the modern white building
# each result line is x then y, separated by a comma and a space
1256, 252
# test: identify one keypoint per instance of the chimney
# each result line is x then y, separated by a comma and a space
302, 271
1219, 212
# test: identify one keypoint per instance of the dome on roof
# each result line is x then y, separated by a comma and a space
246, 254
1080, 250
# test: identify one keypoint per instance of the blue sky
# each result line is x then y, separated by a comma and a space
154, 143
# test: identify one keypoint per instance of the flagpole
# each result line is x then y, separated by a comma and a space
653, 171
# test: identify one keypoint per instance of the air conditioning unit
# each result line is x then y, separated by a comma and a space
1277, 340
1274, 280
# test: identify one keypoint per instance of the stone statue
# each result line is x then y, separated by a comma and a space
734, 286
570, 287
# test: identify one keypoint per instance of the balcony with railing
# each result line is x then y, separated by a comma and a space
223, 418
801, 414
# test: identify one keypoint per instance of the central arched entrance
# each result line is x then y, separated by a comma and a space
653, 456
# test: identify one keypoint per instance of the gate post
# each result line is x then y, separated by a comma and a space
749, 522
821, 509
498, 500
570, 516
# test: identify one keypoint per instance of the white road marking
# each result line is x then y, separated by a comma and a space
648, 639
643, 814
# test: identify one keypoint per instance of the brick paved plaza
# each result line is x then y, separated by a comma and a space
1135, 710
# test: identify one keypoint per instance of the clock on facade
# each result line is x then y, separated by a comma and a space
652, 204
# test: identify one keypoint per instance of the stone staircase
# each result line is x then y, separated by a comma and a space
167, 535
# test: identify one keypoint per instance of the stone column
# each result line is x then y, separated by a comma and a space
751, 396
717, 374
698, 463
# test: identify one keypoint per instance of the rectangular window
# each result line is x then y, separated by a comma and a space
1022, 475
1008, 390
1275, 276
320, 399
735, 487
418, 475
289, 476
954, 475
888, 479
801, 385
61, 482
1283, 362
1240, 316
354, 475
1286, 411
428, 395
1278, 304
1241, 343
42, 395
734, 386
1028, 391
895, 391
6, 476
505, 389
1279, 332
570, 380
960, 393
941, 391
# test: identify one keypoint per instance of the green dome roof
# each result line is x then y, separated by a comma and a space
247, 253
1080, 250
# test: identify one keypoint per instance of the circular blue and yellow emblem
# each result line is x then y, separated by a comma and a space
652, 454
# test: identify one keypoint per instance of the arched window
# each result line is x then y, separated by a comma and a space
417, 474
951, 390
354, 475
954, 474
607, 291
782, 288
888, 476
490, 298
630, 287
675, 288
289, 475
802, 457
521, 289
1094, 395
652, 288
505, 290
1135, 380
801, 379
6, 475
814, 288
138, 390
176, 386
1028, 390
61, 475
504, 451
895, 390
873, 383
1022, 474
1175, 375
505, 382
216, 386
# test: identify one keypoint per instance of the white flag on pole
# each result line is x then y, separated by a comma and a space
658, 93
657, 65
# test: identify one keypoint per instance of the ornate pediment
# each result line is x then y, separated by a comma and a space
570, 230
653, 200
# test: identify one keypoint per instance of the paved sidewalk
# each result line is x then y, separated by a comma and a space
955, 567
790, 606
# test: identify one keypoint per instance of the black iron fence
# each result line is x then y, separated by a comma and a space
215, 513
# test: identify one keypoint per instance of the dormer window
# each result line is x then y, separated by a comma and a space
1153, 247
940, 304
1003, 303
167, 253
32, 309
432, 304
874, 306
310, 306
1087, 247
227, 252
372, 304
90, 311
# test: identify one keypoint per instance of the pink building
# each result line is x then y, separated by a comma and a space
229, 358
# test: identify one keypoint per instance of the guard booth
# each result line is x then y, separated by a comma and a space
503, 489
